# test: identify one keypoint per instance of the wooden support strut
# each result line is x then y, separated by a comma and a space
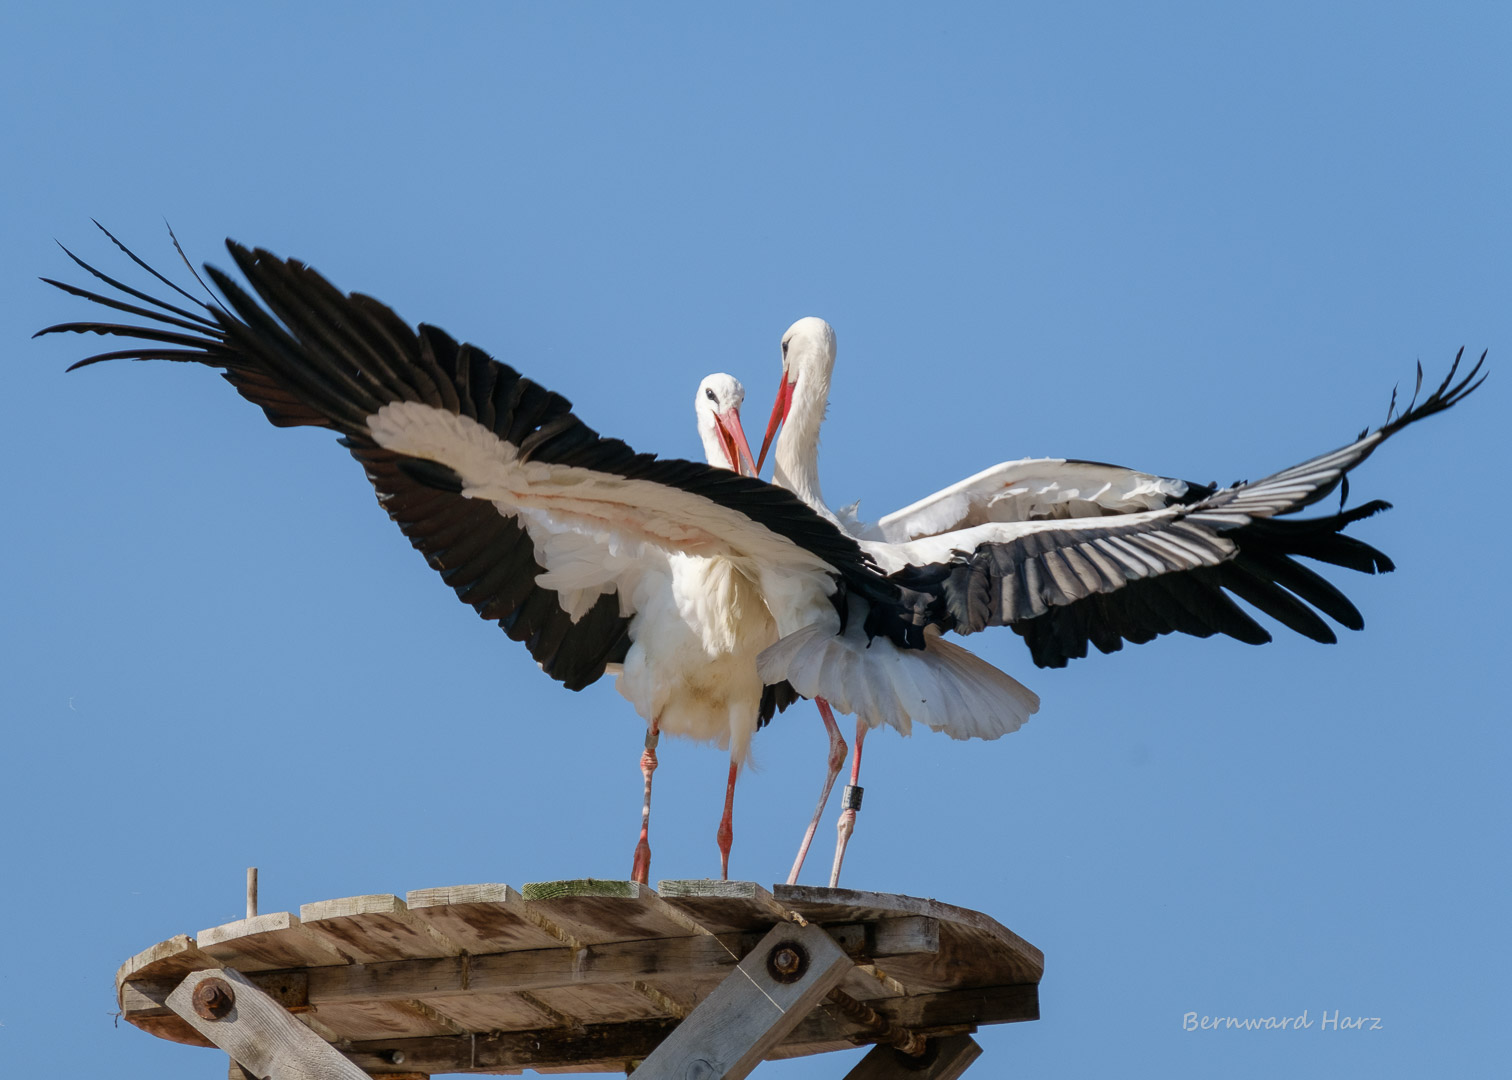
257, 1032
753, 1009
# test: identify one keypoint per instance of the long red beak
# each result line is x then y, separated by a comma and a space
733, 438
780, 409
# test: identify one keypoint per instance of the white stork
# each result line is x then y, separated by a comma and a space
1070, 553
698, 626
588, 553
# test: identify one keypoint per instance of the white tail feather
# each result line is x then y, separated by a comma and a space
942, 686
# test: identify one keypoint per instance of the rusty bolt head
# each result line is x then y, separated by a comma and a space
787, 962
213, 999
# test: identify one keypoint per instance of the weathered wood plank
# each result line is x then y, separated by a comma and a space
609, 1003
482, 1011
589, 911
943, 1059
385, 1019
266, 942
171, 959
753, 1009
260, 1034
723, 907
480, 918
375, 927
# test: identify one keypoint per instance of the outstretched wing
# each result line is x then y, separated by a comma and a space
1064, 584
490, 475
1033, 489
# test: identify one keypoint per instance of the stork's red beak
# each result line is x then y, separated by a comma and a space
733, 438
780, 409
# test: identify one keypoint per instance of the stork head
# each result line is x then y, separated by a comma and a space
717, 405
808, 357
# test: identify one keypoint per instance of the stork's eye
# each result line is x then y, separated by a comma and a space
710, 395
784, 350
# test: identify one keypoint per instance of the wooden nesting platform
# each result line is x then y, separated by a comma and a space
593, 976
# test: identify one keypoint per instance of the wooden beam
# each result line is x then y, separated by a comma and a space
255, 1030
545, 969
943, 1059
753, 1009
613, 1045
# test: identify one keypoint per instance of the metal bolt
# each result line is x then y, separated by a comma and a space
213, 999
395, 1057
787, 961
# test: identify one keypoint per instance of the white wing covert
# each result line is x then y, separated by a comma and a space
1031, 489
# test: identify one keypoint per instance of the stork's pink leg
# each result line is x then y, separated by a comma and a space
641, 870
726, 834
836, 759
850, 802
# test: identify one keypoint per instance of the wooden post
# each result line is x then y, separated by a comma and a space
225, 1007
943, 1059
251, 892
753, 1009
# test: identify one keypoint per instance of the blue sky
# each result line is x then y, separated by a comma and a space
1194, 239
